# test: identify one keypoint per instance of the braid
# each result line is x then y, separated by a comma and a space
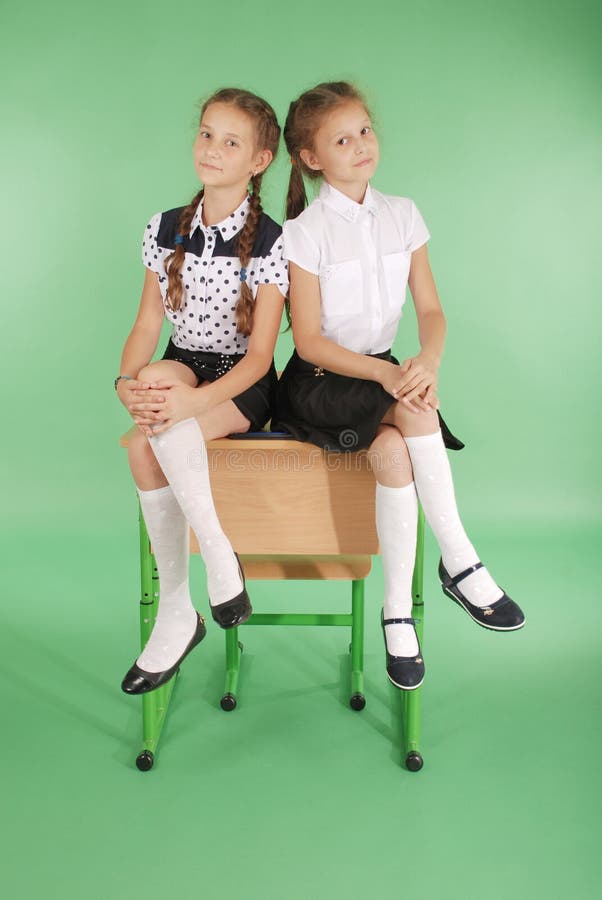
267, 135
175, 260
246, 240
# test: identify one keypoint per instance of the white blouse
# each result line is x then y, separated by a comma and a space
362, 254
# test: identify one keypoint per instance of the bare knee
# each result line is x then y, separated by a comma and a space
388, 455
167, 370
153, 372
147, 373
414, 423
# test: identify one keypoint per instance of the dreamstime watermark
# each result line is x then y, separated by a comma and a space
293, 459
348, 439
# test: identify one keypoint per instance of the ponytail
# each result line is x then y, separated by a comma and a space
296, 199
305, 116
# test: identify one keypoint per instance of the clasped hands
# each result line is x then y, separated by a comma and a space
413, 383
158, 405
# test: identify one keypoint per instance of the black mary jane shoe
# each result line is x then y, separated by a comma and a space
405, 672
503, 615
236, 611
137, 681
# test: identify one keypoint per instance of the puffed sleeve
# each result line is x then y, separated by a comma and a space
419, 233
299, 246
273, 268
150, 253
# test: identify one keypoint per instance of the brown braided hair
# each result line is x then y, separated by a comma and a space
246, 239
174, 262
305, 116
267, 136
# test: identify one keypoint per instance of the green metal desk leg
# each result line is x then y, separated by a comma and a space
155, 703
233, 654
411, 700
357, 700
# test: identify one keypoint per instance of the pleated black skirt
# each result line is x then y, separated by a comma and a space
333, 411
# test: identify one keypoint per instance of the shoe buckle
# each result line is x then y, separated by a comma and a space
487, 611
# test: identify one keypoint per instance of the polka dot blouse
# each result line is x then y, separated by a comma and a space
211, 274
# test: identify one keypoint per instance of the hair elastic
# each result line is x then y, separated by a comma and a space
243, 274
179, 239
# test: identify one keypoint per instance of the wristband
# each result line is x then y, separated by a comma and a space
124, 378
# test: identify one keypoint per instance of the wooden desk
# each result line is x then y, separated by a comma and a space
288, 499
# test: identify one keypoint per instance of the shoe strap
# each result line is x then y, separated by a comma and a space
503, 599
399, 621
456, 579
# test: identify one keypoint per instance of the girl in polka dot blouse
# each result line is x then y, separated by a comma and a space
215, 269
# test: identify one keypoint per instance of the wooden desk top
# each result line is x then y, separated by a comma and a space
289, 497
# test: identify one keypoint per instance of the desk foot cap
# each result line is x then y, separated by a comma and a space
414, 761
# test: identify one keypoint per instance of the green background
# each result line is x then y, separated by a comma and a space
489, 118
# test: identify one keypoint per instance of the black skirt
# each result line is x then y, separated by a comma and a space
335, 412
256, 403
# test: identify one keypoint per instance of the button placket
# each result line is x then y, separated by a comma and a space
372, 253
206, 258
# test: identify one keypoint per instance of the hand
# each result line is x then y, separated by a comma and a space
418, 381
137, 396
430, 397
130, 389
177, 402
394, 378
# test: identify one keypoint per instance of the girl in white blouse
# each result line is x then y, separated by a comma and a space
215, 270
352, 252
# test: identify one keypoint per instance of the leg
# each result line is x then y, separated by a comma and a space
177, 622
396, 524
177, 627
218, 422
435, 488
182, 456
146, 471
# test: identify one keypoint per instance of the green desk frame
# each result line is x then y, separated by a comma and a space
156, 703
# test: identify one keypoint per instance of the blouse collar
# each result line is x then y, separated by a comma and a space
229, 226
344, 205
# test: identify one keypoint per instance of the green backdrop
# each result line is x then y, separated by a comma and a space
489, 118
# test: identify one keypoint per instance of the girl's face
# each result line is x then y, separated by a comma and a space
224, 150
345, 148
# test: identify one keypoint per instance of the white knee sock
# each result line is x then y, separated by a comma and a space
182, 455
433, 478
396, 523
176, 619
